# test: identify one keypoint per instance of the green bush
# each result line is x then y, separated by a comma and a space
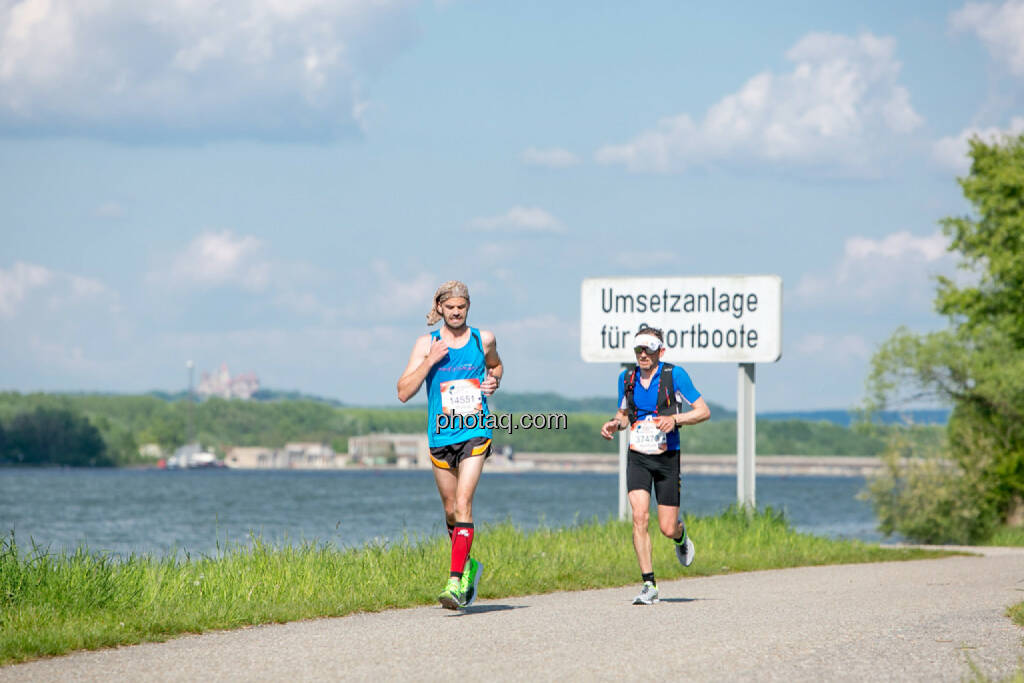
929, 497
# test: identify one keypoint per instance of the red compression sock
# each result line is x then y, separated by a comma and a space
462, 541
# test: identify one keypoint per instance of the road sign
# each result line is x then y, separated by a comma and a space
723, 319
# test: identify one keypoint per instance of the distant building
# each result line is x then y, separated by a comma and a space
251, 458
222, 384
399, 450
151, 450
296, 456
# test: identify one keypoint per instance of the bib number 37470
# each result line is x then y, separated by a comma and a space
461, 397
645, 437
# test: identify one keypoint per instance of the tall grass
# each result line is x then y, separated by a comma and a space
53, 603
1006, 536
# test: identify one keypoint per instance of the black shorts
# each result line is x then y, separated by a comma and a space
662, 470
449, 457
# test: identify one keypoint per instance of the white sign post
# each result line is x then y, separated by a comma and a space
713, 319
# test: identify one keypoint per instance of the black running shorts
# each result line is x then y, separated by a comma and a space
662, 470
449, 457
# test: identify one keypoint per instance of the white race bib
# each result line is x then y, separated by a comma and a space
645, 437
461, 397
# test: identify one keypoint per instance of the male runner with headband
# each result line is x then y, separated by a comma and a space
461, 368
649, 403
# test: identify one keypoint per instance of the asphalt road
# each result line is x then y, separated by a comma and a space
901, 621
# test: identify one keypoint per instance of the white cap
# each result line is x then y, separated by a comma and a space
648, 341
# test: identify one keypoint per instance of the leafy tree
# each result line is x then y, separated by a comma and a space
976, 365
55, 436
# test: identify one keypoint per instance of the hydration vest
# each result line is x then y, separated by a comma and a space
667, 403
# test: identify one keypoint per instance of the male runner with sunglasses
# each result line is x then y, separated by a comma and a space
650, 399
461, 368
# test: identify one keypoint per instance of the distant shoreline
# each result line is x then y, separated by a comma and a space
786, 465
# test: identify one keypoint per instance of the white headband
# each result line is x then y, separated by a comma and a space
649, 341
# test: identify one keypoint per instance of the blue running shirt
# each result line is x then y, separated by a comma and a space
453, 387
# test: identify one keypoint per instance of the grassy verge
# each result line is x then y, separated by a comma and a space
1007, 537
51, 604
1010, 537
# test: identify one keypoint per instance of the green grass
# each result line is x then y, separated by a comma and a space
1007, 537
52, 604
1011, 536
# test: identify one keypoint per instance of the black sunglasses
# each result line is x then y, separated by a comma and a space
643, 349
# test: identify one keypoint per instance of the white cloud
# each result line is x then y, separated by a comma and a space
28, 286
894, 270
897, 246
999, 27
219, 259
17, 283
520, 219
553, 157
252, 68
839, 106
396, 296
951, 152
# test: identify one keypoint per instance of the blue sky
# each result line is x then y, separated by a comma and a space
280, 186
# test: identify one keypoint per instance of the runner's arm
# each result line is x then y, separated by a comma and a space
616, 424
419, 365
495, 369
699, 412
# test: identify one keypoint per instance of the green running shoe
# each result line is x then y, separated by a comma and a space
451, 597
470, 578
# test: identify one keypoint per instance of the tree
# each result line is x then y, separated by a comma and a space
976, 365
55, 436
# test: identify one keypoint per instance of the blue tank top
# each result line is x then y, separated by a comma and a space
453, 390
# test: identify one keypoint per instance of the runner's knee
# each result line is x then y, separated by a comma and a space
463, 509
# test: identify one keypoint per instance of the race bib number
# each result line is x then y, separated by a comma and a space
645, 437
461, 397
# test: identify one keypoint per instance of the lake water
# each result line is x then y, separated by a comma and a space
157, 512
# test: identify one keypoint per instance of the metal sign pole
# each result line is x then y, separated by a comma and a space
745, 437
624, 511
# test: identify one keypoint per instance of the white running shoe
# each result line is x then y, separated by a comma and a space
648, 594
684, 552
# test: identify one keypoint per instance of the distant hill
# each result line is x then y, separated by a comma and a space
847, 417
279, 395
126, 422
261, 395
550, 402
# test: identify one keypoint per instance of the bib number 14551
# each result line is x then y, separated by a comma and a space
461, 397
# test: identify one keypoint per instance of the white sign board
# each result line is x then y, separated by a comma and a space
714, 319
